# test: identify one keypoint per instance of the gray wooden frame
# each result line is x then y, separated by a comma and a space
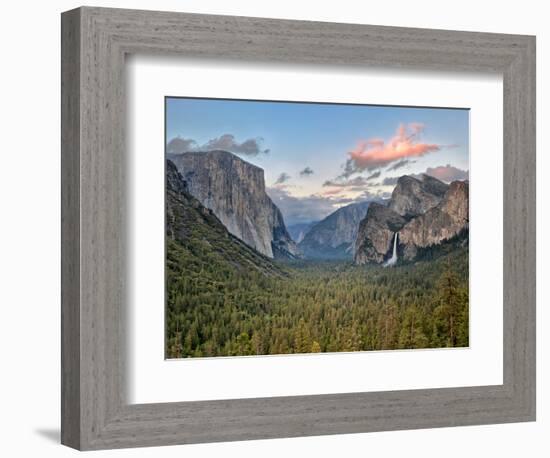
95, 413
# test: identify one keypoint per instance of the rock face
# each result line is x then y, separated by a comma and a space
195, 234
412, 196
235, 191
376, 232
441, 222
424, 212
334, 237
174, 181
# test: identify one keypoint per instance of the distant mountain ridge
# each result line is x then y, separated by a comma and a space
299, 230
334, 237
423, 212
235, 191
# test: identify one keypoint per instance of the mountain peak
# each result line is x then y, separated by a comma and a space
412, 196
441, 222
223, 156
235, 191
189, 224
424, 210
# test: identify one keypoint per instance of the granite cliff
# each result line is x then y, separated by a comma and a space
439, 223
235, 192
423, 211
412, 196
195, 237
375, 234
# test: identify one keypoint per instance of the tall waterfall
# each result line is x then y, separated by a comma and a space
393, 259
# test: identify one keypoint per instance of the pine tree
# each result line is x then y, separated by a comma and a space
257, 343
315, 347
449, 304
243, 345
302, 340
412, 333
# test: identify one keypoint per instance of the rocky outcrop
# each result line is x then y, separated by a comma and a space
376, 232
423, 211
174, 180
441, 222
415, 196
334, 237
235, 191
196, 235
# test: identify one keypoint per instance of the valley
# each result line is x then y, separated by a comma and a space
238, 284
325, 306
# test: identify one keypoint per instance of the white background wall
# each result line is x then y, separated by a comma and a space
30, 246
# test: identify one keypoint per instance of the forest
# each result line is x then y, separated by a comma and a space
215, 309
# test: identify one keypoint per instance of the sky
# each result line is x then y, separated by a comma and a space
319, 157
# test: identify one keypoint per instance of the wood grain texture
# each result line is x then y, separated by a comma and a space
70, 229
96, 414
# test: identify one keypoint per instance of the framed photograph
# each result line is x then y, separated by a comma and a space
278, 228
329, 229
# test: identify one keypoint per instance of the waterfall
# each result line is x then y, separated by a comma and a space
393, 259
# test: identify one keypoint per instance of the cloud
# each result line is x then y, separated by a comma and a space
332, 192
306, 172
351, 183
400, 164
283, 177
390, 181
301, 209
250, 147
343, 200
372, 195
447, 173
375, 153
373, 176
226, 142
179, 145
357, 184
349, 169
305, 209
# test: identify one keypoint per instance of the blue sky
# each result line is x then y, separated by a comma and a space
351, 152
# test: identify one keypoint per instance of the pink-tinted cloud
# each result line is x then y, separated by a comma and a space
376, 153
332, 192
447, 173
